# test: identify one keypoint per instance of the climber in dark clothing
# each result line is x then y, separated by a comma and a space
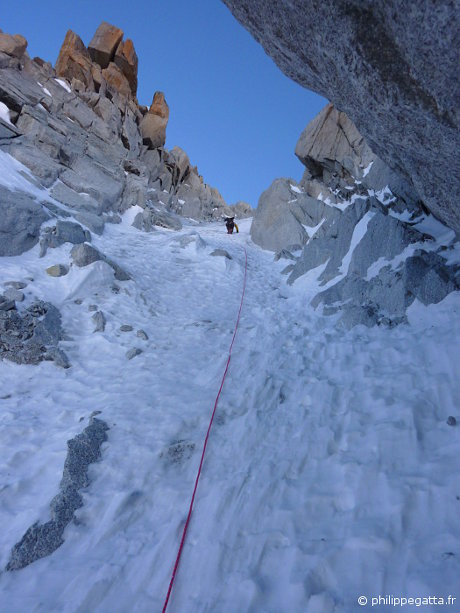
231, 225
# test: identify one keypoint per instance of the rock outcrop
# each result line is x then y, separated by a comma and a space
108, 65
153, 124
104, 44
41, 540
390, 66
31, 336
338, 161
277, 222
20, 223
74, 61
241, 209
358, 226
13, 45
126, 60
91, 150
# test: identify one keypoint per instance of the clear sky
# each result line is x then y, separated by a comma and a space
231, 109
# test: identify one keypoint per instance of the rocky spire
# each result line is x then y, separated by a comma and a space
74, 61
153, 125
109, 63
104, 44
126, 60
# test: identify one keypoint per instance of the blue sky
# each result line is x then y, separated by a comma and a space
233, 111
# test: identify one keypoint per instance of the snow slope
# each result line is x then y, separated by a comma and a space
330, 473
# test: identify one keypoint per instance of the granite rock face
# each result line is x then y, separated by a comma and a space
21, 217
153, 124
126, 59
275, 224
74, 61
365, 238
80, 131
392, 67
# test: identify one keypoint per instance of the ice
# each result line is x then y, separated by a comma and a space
63, 84
385, 195
330, 471
358, 233
17, 177
377, 266
47, 91
5, 113
432, 226
312, 230
296, 189
367, 169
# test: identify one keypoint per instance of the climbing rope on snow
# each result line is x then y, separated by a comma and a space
184, 533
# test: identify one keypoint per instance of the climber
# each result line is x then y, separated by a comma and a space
231, 225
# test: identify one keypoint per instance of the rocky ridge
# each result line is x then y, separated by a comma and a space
85, 152
358, 227
81, 132
391, 66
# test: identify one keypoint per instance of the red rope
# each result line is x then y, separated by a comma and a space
181, 546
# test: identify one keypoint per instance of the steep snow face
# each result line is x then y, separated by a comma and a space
330, 473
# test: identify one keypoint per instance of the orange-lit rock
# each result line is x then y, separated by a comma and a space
116, 80
153, 124
104, 44
14, 45
74, 61
126, 59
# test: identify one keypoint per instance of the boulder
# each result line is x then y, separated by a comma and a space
153, 124
20, 220
57, 270
132, 353
13, 45
74, 61
85, 254
155, 216
392, 69
126, 60
63, 232
99, 321
6, 304
116, 81
14, 294
104, 44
